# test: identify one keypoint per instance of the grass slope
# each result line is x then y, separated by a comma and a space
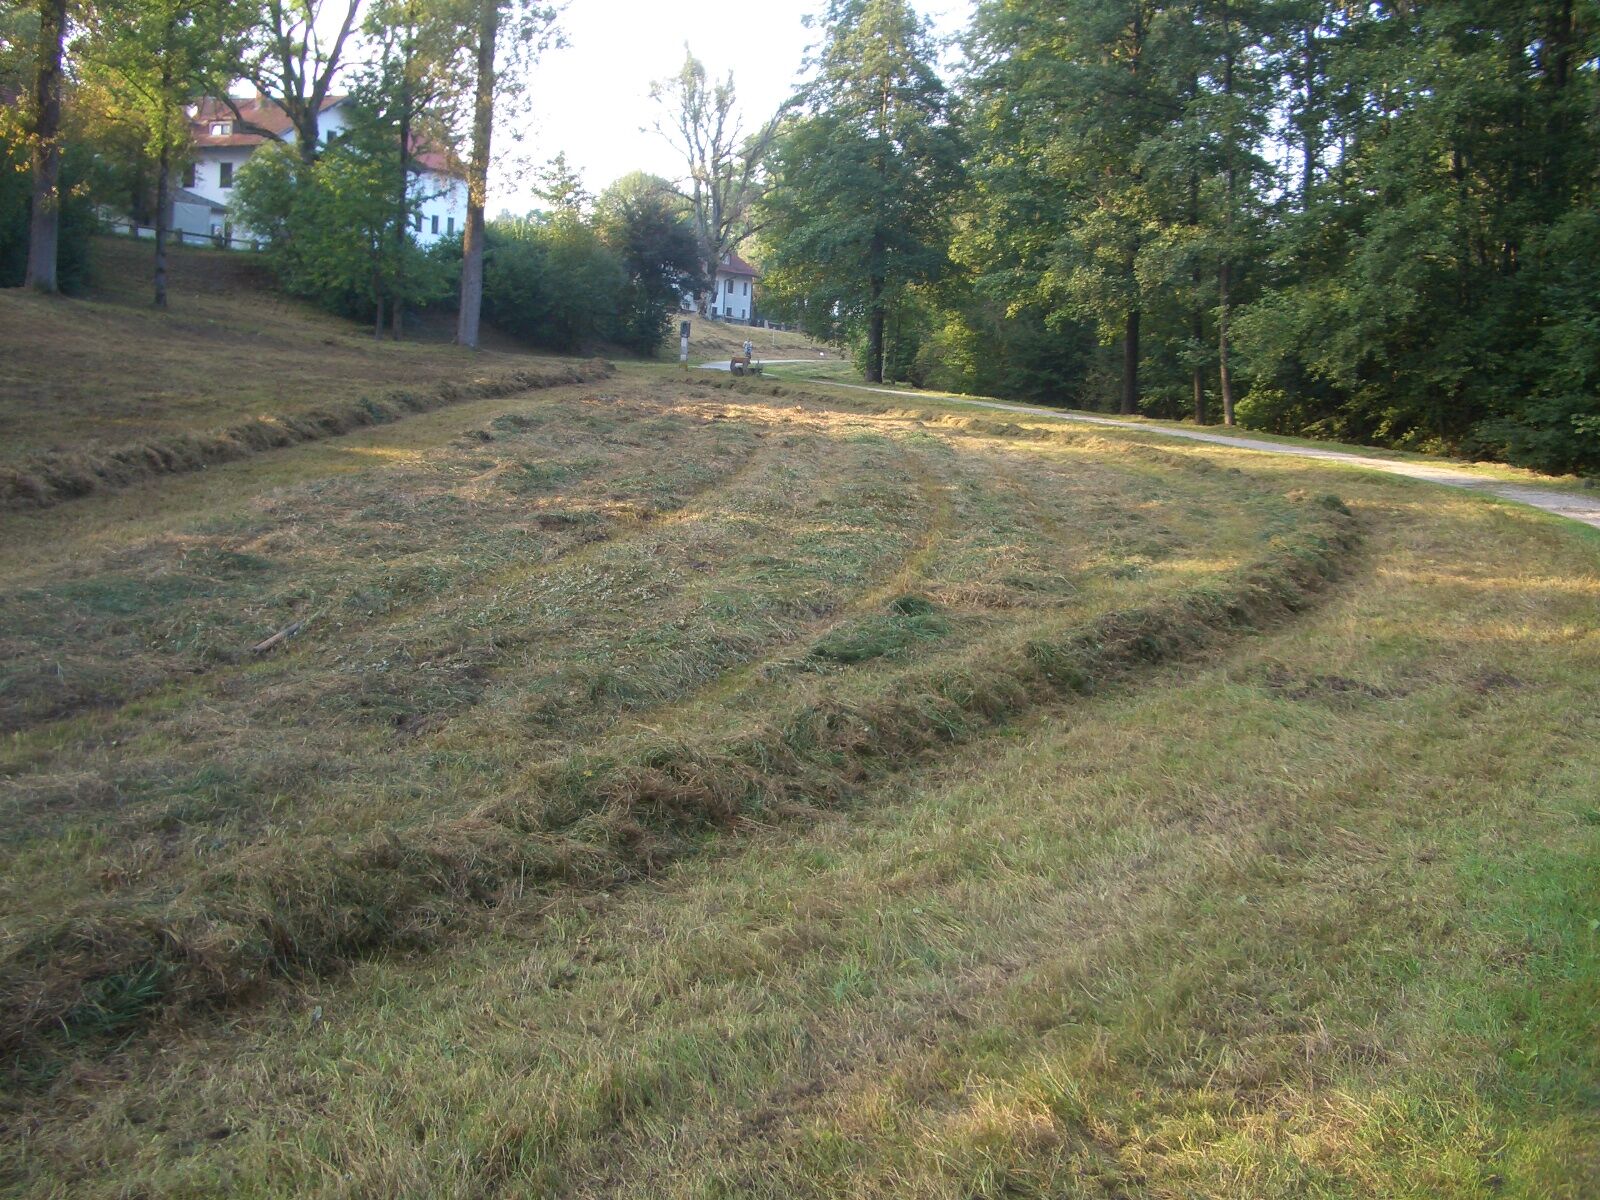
684, 787
711, 340
844, 373
97, 392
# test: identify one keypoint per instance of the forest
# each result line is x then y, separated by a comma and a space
1367, 221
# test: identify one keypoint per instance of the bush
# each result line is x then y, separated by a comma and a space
331, 230
551, 283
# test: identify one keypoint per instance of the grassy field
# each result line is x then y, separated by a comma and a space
675, 786
110, 369
841, 371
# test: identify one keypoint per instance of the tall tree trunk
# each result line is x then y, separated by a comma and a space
875, 312
1224, 371
163, 176
44, 222
875, 324
1308, 126
1130, 365
1224, 269
471, 305
402, 214
1198, 317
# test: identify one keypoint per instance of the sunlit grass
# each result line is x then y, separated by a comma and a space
1307, 912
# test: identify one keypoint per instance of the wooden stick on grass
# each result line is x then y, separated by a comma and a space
283, 635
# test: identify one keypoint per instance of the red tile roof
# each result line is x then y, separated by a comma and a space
256, 110
269, 115
441, 162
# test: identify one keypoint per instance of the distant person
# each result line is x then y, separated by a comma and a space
749, 348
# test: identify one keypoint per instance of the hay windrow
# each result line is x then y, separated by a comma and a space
594, 820
54, 477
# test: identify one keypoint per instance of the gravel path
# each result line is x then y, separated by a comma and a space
1564, 504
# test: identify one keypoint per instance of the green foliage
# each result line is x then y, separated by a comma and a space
646, 224
77, 216
551, 283
1370, 222
332, 227
565, 281
862, 180
1557, 426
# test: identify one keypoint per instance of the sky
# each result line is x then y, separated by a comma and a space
591, 100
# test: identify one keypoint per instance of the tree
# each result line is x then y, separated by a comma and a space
645, 223
1422, 289
562, 188
1094, 85
45, 137
702, 122
552, 282
409, 90
293, 55
153, 56
499, 62
862, 178
330, 225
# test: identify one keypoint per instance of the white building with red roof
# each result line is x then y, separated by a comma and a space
223, 144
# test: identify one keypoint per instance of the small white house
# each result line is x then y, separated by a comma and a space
200, 205
733, 294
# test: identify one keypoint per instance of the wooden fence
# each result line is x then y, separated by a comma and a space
220, 241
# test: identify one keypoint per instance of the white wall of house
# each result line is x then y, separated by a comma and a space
439, 206
439, 201
732, 298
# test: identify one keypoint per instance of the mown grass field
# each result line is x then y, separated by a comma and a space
109, 369
103, 391
685, 787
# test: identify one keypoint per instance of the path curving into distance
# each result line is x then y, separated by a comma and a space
1584, 509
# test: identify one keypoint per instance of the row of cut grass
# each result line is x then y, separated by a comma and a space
1308, 914
180, 817
592, 821
53, 476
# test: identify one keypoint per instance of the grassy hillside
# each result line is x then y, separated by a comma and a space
674, 786
711, 340
98, 390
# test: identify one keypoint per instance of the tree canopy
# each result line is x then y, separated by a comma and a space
863, 175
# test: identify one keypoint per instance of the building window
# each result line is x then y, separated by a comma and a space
227, 175
418, 222
435, 226
746, 287
188, 175
449, 224
221, 129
